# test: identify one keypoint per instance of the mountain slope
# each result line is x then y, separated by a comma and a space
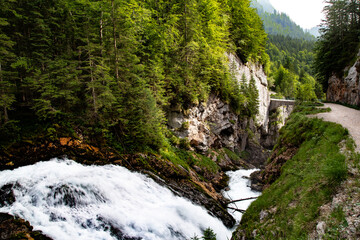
263, 5
276, 23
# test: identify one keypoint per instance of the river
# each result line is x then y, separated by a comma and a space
67, 200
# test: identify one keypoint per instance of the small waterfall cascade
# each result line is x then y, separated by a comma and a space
67, 200
239, 188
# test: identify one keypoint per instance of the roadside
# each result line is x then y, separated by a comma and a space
349, 118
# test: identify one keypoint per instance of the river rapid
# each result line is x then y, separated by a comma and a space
67, 200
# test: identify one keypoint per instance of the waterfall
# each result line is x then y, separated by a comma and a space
67, 200
239, 188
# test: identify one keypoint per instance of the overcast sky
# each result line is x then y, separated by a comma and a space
306, 13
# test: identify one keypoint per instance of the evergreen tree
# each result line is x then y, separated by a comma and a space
7, 96
253, 104
246, 31
209, 234
339, 39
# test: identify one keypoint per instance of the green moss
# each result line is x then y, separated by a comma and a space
185, 126
207, 163
184, 143
233, 156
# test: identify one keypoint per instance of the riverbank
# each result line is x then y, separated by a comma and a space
308, 168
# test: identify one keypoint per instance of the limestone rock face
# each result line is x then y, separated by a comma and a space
277, 119
210, 124
346, 90
214, 125
257, 72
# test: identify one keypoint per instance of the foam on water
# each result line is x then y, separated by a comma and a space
67, 200
239, 186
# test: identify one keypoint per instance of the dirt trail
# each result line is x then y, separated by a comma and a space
347, 117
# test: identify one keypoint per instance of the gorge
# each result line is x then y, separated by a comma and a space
46, 192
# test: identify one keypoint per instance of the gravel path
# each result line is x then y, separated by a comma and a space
347, 117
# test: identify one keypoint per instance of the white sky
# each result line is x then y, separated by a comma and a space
306, 13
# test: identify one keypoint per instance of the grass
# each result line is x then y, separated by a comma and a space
307, 181
310, 108
189, 159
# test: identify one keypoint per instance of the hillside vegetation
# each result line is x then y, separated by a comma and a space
339, 40
308, 165
276, 23
111, 69
291, 52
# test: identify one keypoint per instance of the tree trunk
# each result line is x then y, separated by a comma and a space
101, 33
115, 43
92, 80
6, 117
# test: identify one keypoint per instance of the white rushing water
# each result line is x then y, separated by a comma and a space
67, 200
239, 186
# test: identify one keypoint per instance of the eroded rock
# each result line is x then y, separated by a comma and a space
346, 90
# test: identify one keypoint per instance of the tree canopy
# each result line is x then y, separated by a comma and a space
114, 67
339, 41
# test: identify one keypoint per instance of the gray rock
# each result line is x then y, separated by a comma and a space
320, 229
346, 90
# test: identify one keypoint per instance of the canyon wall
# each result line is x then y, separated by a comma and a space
213, 125
346, 89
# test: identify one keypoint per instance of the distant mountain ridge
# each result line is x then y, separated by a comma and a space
276, 23
314, 31
264, 5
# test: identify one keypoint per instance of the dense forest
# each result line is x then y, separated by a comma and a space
276, 23
113, 68
291, 51
339, 40
291, 68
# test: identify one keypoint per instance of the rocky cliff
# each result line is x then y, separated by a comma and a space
213, 124
346, 89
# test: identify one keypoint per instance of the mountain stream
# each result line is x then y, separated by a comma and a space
67, 200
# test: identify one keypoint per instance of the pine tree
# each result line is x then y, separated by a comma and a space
339, 40
7, 96
209, 234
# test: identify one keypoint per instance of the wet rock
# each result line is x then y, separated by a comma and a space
16, 228
263, 179
7, 196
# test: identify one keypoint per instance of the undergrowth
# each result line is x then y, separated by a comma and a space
188, 159
307, 181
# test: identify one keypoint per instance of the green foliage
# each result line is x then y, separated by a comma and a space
294, 54
291, 68
276, 23
253, 96
233, 156
9, 132
186, 159
310, 108
339, 40
117, 66
307, 181
209, 234
195, 238
246, 31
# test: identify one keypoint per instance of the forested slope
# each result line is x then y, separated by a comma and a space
291, 53
339, 41
110, 69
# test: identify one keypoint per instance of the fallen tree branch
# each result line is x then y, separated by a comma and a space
236, 209
244, 199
